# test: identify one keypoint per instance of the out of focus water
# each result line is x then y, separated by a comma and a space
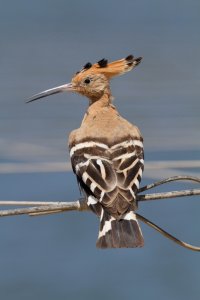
42, 44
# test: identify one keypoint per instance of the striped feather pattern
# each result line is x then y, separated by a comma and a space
110, 174
123, 233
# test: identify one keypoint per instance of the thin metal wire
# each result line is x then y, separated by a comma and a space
167, 180
166, 234
44, 208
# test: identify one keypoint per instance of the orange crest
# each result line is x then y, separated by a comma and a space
109, 70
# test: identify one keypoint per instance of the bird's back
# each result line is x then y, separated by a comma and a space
107, 156
104, 125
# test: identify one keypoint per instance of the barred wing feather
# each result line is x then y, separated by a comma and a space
109, 176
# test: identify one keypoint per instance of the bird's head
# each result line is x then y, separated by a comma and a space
92, 81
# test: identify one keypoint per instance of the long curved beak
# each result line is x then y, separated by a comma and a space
59, 89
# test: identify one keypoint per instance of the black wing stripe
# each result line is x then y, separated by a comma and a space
128, 163
97, 175
131, 175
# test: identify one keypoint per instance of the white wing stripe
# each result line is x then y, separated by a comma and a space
124, 156
132, 193
103, 171
138, 143
135, 179
136, 182
87, 145
88, 156
129, 167
85, 177
123, 144
80, 165
91, 200
127, 144
93, 186
102, 195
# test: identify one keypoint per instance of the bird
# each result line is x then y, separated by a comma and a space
106, 153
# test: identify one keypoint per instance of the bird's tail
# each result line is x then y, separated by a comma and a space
123, 233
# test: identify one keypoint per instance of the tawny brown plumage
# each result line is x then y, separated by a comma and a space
103, 121
106, 154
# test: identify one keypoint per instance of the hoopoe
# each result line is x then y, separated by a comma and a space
106, 154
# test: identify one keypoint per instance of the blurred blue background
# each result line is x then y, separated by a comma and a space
43, 43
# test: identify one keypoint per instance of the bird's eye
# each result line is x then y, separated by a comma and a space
87, 80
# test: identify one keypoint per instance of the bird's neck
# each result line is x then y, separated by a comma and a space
103, 101
98, 107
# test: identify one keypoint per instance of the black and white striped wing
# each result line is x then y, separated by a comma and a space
128, 161
109, 176
94, 171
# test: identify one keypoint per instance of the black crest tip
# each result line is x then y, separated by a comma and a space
87, 66
138, 60
103, 63
129, 58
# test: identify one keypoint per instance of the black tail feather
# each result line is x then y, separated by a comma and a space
123, 233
